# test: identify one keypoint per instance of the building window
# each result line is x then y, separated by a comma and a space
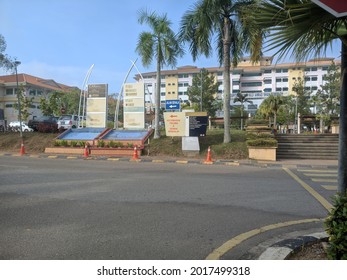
267, 89
252, 84
282, 70
267, 71
281, 80
251, 74
9, 105
267, 82
162, 85
9, 91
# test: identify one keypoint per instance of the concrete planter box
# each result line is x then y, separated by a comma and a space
262, 153
113, 151
65, 150
93, 151
335, 129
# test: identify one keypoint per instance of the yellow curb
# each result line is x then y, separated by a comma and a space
316, 195
71, 157
114, 159
52, 156
181, 161
157, 161
233, 163
227, 246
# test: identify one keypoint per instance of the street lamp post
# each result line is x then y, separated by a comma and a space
15, 64
201, 90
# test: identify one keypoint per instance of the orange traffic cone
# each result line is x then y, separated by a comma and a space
86, 151
208, 158
22, 150
135, 155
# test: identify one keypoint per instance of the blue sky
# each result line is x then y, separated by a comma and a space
61, 39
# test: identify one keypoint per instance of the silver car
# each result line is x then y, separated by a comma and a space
67, 121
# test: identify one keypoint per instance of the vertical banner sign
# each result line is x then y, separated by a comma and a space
134, 106
97, 105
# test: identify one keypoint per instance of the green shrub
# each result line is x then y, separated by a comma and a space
82, 143
119, 145
57, 143
253, 136
101, 143
336, 227
130, 145
262, 142
64, 143
73, 143
111, 144
257, 122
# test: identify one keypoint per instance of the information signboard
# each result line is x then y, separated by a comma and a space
97, 105
197, 125
134, 106
173, 105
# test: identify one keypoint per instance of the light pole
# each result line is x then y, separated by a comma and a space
15, 64
201, 90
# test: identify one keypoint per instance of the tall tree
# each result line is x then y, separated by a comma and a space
270, 107
57, 100
160, 44
302, 97
327, 97
26, 103
242, 98
201, 92
304, 29
228, 22
5, 61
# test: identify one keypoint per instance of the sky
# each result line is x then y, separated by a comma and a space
61, 39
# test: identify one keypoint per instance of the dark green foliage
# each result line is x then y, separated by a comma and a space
262, 142
336, 227
101, 143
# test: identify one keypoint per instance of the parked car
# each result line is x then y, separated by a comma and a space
67, 121
44, 124
15, 125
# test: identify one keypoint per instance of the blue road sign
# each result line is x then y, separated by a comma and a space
172, 104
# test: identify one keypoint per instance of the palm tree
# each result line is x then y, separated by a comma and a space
304, 29
160, 44
270, 106
242, 98
227, 22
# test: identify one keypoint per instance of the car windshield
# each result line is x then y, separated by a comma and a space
65, 117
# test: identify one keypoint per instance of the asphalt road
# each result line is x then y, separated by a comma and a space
87, 209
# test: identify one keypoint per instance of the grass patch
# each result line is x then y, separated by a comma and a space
172, 146
36, 142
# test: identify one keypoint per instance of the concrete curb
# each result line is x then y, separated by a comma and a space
283, 249
261, 164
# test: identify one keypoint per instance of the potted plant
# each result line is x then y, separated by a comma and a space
262, 148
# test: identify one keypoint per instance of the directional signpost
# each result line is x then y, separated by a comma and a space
174, 105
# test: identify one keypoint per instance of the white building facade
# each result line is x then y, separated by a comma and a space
258, 80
